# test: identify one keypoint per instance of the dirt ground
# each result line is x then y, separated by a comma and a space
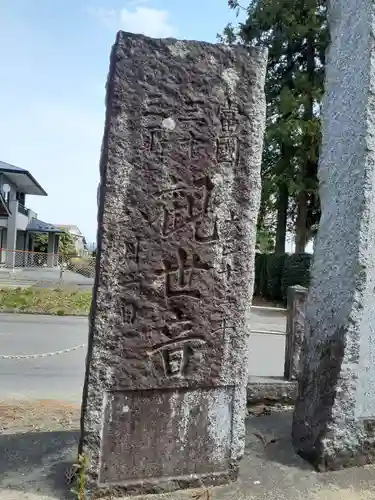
38, 445
36, 416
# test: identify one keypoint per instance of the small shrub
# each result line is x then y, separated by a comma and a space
296, 272
275, 269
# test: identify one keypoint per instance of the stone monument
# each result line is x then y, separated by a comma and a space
165, 387
295, 331
334, 419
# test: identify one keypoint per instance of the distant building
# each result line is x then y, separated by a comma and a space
79, 240
19, 224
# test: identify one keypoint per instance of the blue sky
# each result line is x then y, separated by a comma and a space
54, 61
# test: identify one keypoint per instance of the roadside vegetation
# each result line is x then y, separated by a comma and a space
60, 302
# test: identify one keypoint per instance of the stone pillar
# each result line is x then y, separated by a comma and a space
295, 328
334, 417
51, 250
165, 389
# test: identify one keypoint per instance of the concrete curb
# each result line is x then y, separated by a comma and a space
270, 391
270, 309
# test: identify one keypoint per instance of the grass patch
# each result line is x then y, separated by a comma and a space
58, 301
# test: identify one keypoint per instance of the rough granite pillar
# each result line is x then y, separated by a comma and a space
295, 330
334, 419
165, 389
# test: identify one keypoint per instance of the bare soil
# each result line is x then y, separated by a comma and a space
39, 415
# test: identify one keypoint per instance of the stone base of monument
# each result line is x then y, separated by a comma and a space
162, 487
351, 447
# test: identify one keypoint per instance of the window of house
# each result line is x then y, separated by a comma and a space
21, 197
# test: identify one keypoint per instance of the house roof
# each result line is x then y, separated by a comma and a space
38, 226
21, 178
70, 227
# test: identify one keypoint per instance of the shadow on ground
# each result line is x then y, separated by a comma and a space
33, 466
270, 437
37, 462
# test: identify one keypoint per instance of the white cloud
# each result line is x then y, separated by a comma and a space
137, 18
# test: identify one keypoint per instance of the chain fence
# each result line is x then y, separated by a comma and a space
42, 355
25, 268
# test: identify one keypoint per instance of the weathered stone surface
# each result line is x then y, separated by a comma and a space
295, 331
335, 411
165, 390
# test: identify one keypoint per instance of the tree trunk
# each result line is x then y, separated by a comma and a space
307, 165
301, 229
282, 217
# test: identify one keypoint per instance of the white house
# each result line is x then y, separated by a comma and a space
77, 237
19, 224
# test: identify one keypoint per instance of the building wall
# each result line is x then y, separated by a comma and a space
80, 247
77, 239
22, 221
3, 244
20, 242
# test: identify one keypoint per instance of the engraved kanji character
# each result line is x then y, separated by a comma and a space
183, 205
227, 149
128, 313
177, 355
155, 141
229, 117
179, 279
132, 250
221, 323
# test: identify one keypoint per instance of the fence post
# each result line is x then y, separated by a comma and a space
62, 267
295, 329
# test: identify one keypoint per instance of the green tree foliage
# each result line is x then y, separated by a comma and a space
296, 35
66, 244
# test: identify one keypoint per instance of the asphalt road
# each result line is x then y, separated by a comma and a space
61, 377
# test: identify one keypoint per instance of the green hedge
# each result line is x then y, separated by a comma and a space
296, 272
275, 273
260, 285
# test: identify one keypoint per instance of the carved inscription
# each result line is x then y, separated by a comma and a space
132, 251
179, 277
128, 313
221, 323
227, 146
183, 205
177, 346
155, 140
